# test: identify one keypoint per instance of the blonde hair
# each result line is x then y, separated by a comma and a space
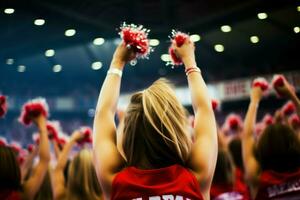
82, 179
155, 128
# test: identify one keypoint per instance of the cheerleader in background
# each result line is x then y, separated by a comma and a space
82, 182
11, 186
272, 166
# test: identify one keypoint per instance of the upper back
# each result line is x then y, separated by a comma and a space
165, 183
277, 185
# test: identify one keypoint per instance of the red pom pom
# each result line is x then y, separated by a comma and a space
136, 37
277, 82
36, 138
16, 147
294, 121
268, 119
262, 83
54, 129
3, 141
87, 133
33, 108
288, 108
179, 38
3, 106
30, 148
215, 104
233, 122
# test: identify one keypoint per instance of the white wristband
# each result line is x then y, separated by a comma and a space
115, 71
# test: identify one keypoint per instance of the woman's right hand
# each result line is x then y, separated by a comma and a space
77, 136
186, 52
122, 55
40, 121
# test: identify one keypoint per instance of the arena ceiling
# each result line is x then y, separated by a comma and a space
22, 43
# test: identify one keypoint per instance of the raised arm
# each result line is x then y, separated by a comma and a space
205, 148
33, 184
107, 159
252, 167
288, 91
27, 166
58, 183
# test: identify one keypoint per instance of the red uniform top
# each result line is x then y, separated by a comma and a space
170, 183
9, 195
279, 186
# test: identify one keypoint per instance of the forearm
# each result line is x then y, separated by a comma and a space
199, 92
44, 148
250, 119
109, 94
296, 101
56, 149
63, 157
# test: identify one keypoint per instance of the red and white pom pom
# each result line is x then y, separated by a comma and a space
16, 147
36, 138
87, 135
288, 108
294, 121
262, 83
54, 129
3, 141
3, 106
234, 122
62, 139
268, 120
178, 38
215, 104
278, 82
30, 148
33, 108
136, 37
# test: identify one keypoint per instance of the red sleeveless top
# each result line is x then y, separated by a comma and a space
238, 191
279, 186
9, 195
173, 182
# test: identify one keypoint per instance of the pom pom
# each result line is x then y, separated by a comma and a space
54, 129
179, 38
262, 83
62, 139
30, 148
136, 37
33, 108
268, 119
215, 104
294, 121
277, 82
16, 147
3, 106
233, 122
87, 135
288, 108
36, 138
3, 141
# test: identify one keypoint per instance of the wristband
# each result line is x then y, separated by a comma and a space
192, 69
115, 71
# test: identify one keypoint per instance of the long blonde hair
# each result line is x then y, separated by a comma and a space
82, 179
155, 128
